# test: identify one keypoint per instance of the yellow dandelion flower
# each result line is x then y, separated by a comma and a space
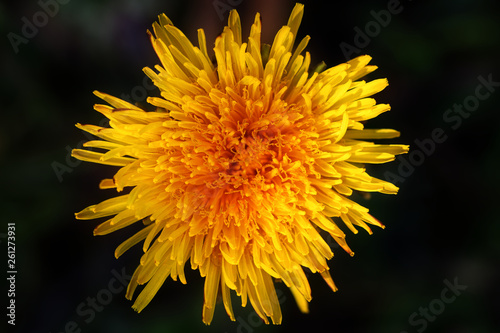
244, 168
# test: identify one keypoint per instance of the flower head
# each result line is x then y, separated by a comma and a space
244, 168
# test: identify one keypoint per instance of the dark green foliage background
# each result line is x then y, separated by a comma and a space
442, 225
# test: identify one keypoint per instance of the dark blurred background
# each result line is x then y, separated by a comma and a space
442, 226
